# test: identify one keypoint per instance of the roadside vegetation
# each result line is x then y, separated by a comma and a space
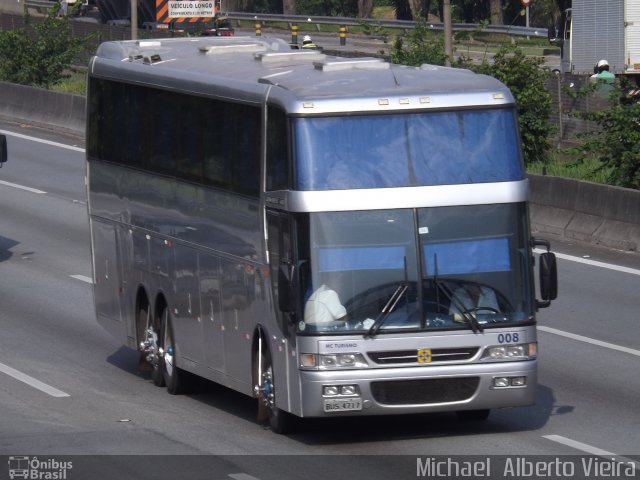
40, 53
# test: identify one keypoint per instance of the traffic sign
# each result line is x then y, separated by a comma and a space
525, 3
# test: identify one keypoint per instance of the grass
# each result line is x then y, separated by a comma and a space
76, 83
591, 170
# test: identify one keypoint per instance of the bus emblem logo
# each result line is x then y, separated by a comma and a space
424, 355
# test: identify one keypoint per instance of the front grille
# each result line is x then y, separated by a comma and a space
424, 391
411, 356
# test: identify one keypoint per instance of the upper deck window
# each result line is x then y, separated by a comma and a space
192, 138
407, 149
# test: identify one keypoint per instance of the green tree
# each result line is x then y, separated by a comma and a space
615, 141
420, 46
528, 83
39, 53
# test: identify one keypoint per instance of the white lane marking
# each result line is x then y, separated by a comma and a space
242, 476
591, 450
21, 187
579, 445
593, 263
46, 142
33, 382
592, 341
82, 278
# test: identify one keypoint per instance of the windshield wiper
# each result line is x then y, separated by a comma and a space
387, 309
457, 303
469, 319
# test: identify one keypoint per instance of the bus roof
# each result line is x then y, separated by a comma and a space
305, 82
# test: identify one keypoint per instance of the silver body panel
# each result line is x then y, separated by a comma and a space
404, 197
484, 397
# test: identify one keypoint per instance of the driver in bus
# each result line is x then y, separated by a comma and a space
473, 298
323, 307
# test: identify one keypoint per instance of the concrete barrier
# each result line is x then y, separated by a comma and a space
561, 207
586, 211
61, 112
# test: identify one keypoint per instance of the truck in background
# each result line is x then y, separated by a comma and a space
196, 17
593, 30
178, 16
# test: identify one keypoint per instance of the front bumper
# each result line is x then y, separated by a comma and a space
392, 391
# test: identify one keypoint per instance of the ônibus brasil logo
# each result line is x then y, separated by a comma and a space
36, 469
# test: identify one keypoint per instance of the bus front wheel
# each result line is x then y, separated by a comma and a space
281, 422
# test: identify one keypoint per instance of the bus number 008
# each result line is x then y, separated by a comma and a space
508, 338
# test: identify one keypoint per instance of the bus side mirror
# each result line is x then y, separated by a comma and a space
286, 294
3, 150
548, 275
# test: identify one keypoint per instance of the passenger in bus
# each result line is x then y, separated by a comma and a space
308, 43
473, 298
324, 307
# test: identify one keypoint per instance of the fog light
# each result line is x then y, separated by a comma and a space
518, 381
330, 390
348, 390
501, 382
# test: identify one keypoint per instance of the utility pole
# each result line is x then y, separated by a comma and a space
448, 47
134, 19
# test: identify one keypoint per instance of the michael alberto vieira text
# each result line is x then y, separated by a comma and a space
522, 467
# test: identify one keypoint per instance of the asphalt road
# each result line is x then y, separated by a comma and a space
67, 388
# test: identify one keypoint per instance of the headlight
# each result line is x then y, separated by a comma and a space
332, 361
524, 351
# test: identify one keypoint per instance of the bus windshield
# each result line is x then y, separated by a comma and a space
430, 268
407, 149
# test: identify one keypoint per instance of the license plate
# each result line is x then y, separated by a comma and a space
342, 405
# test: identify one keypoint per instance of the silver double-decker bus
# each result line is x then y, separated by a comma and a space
333, 236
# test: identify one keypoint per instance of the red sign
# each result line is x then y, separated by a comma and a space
525, 3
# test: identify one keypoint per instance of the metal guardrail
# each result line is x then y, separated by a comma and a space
396, 24
39, 4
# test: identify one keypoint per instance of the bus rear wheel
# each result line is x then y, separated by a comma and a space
150, 346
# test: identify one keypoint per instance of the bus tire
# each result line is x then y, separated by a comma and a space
154, 365
280, 422
174, 378
157, 367
473, 415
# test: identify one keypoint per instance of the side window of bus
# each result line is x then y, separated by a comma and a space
245, 159
198, 139
278, 165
